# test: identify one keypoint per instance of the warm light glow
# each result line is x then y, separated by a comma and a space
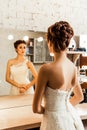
25, 38
10, 37
40, 39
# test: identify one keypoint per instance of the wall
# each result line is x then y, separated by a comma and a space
39, 14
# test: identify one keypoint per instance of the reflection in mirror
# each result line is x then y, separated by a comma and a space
7, 51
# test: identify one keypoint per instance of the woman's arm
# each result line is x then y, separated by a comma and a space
78, 95
8, 75
39, 91
77, 90
34, 73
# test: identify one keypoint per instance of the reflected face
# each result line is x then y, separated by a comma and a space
21, 49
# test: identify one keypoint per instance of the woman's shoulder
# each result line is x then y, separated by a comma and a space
11, 61
73, 67
45, 67
70, 63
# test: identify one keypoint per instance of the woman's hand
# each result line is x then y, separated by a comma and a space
27, 87
22, 88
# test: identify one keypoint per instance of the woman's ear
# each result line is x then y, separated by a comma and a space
50, 46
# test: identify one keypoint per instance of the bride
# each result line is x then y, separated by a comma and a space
17, 71
55, 83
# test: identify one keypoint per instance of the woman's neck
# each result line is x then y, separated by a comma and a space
59, 56
20, 57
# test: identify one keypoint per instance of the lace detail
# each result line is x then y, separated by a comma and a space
59, 113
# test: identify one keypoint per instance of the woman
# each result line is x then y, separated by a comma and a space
17, 73
56, 81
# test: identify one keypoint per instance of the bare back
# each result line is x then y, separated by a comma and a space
60, 75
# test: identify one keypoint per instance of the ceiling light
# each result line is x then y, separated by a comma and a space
25, 38
10, 37
40, 39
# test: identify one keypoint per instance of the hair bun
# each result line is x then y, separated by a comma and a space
60, 34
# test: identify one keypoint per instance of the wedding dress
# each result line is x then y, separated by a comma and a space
59, 113
20, 74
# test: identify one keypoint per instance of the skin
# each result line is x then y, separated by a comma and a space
21, 50
60, 74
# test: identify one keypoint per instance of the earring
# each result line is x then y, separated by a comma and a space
51, 54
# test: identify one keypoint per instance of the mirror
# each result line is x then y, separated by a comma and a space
7, 51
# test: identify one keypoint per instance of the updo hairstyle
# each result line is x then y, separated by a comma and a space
18, 42
59, 34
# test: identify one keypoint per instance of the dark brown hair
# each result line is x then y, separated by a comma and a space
18, 42
59, 34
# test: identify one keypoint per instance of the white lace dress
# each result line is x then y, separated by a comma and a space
59, 113
20, 74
